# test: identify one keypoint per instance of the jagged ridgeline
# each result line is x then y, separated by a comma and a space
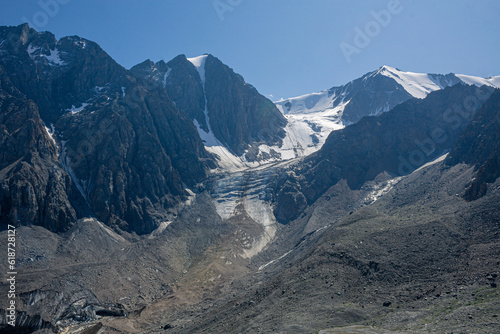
122, 143
396, 142
219, 100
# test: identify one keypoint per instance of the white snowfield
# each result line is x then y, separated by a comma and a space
53, 58
470, 80
304, 135
75, 110
421, 84
417, 84
199, 63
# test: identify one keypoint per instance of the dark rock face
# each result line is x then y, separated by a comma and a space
371, 95
479, 145
397, 142
34, 189
132, 158
25, 324
239, 116
123, 146
182, 82
58, 74
185, 88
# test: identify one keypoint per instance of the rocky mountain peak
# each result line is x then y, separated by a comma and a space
58, 74
219, 100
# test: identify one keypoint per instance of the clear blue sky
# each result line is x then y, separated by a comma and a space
282, 47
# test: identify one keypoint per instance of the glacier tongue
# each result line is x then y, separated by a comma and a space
247, 193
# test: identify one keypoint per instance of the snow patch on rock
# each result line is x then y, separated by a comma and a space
199, 63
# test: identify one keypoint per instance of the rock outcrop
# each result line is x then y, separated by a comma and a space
34, 189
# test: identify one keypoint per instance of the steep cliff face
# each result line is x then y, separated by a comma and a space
239, 116
182, 82
129, 151
184, 86
58, 75
34, 189
132, 158
479, 145
219, 100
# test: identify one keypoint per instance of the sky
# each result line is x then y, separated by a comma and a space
284, 48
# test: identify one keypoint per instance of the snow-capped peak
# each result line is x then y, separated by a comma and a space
387, 68
199, 63
315, 115
417, 84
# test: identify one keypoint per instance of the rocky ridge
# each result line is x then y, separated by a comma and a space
127, 149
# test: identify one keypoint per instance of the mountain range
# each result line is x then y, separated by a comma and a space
174, 197
370, 95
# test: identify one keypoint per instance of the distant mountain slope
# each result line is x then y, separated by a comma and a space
396, 142
374, 93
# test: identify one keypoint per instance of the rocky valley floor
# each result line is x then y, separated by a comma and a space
404, 255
